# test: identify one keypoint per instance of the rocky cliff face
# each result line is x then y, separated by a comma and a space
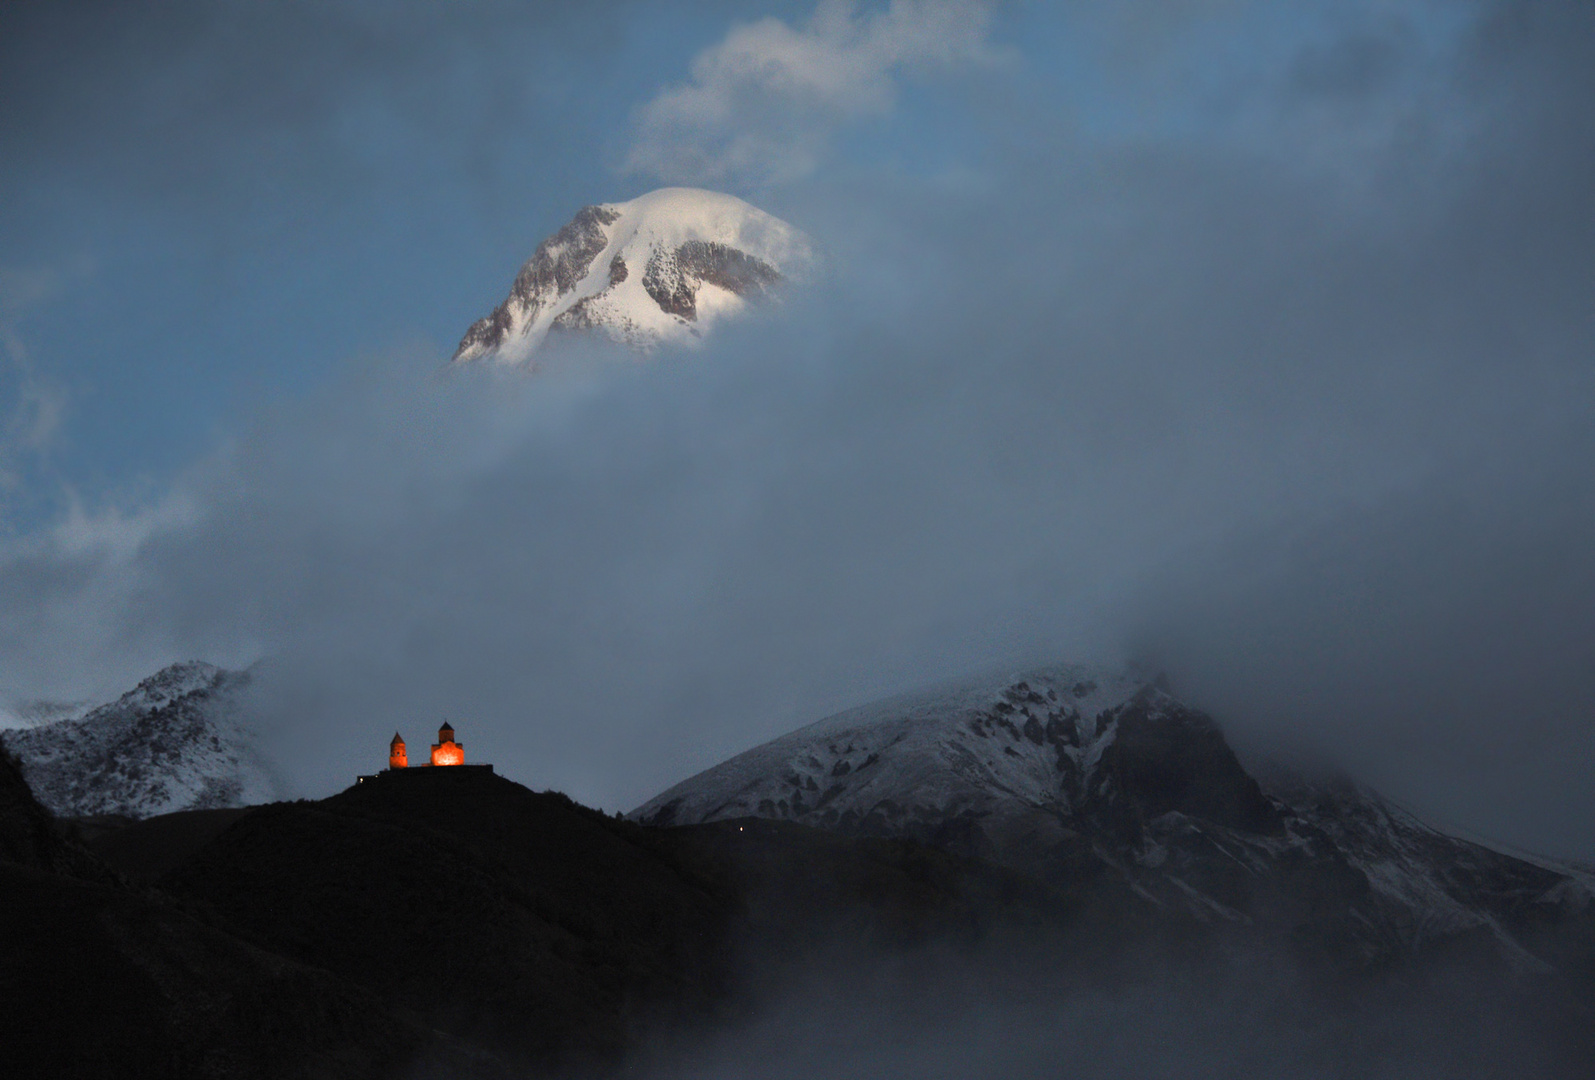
1074, 771
171, 743
663, 267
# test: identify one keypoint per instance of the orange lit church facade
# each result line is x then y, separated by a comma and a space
446, 751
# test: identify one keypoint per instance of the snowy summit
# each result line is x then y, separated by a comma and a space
661, 268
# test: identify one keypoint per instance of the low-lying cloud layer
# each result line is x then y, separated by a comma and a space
1311, 427
879, 1017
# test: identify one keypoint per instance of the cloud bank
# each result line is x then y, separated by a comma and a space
38, 404
764, 104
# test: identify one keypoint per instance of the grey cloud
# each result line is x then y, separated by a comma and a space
1353, 66
38, 403
764, 104
985, 1013
214, 108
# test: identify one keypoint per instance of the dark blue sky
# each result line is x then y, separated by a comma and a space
1254, 336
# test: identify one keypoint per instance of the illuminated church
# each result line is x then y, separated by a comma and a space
446, 751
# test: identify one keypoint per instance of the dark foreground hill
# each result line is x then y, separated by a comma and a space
549, 933
453, 923
99, 978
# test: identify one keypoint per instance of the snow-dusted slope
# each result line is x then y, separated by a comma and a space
988, 748
171, 743
660, 268
1071, 771
1425, 885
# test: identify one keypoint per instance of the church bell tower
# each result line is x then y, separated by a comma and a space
446, 751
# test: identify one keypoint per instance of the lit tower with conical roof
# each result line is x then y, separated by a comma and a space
397, 758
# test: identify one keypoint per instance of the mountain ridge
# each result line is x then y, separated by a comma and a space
1072, 769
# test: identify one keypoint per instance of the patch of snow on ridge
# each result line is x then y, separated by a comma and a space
663, 267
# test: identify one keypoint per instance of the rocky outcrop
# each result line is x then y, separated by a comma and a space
554, 270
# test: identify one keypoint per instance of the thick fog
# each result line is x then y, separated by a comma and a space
930, 1015
1278, 373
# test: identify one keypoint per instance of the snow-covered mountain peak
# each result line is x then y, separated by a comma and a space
173, 742
165, 686
174, 682
1028, 739
1083, 688
663, 267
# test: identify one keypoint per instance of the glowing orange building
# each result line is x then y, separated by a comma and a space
446, 751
